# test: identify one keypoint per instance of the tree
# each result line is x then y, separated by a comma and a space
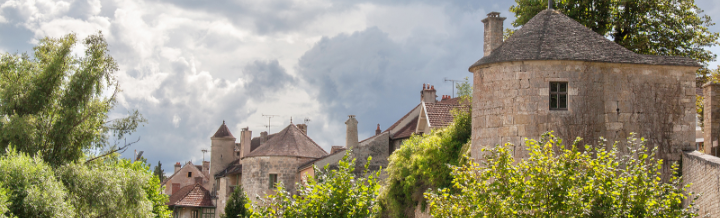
557, 181
464, 88
159, 172
330, 193
236, 204
653, 27
422, 162
31, 187
52, 103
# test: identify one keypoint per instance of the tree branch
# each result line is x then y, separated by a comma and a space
121, 149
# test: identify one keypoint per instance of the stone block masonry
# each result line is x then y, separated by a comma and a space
703, 172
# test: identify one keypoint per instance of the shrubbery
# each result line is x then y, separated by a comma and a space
559, 182
330, 193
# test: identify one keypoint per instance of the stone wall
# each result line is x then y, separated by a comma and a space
256, 171
511, 102
377, 147
703, 171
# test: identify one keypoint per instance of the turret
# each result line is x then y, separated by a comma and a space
222, 149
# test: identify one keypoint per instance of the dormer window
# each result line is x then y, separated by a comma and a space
558, 95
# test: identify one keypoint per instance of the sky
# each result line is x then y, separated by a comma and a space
189, 65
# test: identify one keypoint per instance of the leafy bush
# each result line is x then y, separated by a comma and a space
31, 187
559, 182
330, 193
422, 163
236, 204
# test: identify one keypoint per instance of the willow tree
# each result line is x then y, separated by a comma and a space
55, 104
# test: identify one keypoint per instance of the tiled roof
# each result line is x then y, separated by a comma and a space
407, 130
551, 35
290, 141
233, 168
396, 124
255, 142
223, 131
440, 113
191, 196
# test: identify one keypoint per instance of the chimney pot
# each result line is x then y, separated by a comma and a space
378, 131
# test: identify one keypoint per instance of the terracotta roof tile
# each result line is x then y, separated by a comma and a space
223, 131
551, 35
440, 113
290, 141
191, 196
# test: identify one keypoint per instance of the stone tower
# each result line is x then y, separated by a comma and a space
351, 134
554, 74
222, 150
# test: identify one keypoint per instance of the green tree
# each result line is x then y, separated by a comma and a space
559, 182
52, 103
422, 162
464, 88
159, 172
653, 27
236, 204
330, 193
4, 202
31, 187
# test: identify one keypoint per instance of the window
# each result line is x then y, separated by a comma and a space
194, 214
558, 95
208, 212
273, 180
189, 174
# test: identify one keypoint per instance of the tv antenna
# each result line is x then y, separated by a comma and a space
204, 151
269, 117
453, 87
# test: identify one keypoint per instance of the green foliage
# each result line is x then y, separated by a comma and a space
31, 187
4, 203
330, 193
422, 162
159, 172
235, 206
653, 27
52, 103
464, 88
559, 182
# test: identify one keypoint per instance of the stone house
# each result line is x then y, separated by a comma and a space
429, 114
555, 74
188, 184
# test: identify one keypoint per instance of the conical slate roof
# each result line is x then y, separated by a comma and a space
223, 131
551, 35
290, 141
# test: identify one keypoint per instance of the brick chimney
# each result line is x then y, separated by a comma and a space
263, 137
493, 32
378, 131
427, 95
177, 167
351, 135
245, 141
711, 116
302, 127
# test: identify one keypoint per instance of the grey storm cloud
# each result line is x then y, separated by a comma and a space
264, 77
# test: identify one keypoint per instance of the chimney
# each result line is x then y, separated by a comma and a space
263, 137
302, 127
493, 32
206, 167
427, 95
175, 187
351, 135
711, 118
378, 131
245, 141
177, 167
